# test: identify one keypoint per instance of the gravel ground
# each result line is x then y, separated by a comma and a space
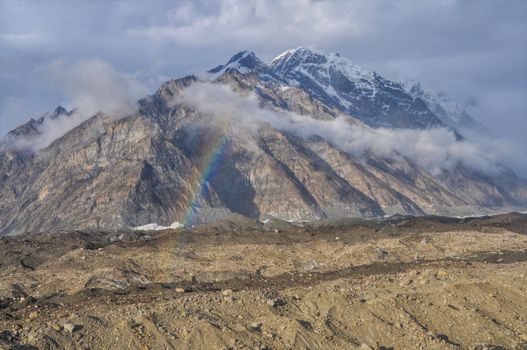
398, 283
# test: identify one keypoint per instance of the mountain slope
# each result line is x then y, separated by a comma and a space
195, 162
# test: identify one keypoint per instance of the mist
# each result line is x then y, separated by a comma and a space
93, 86
88, 87
434, 149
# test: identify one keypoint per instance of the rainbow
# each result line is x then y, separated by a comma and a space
210, 164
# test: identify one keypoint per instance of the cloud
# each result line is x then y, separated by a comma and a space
467, 48
49, 130
88, 86
93, 86
20, 39
435, 149
195, 25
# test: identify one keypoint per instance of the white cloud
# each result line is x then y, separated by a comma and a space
94, 86
435, 149
89, 86
17, 39
49, 130
285, 22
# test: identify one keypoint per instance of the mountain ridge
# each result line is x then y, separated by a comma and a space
172, 161
341, 84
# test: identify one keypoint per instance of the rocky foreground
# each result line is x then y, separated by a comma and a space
399, 283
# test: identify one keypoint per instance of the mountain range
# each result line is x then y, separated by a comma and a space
310, 135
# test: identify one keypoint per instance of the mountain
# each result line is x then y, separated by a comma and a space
442, 105
243, 62
32, 127
340, 83
175, 160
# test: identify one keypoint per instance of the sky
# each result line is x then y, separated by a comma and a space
475, 50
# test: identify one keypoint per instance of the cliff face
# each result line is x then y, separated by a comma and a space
171, 162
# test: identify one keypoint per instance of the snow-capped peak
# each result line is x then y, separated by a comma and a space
300, 53
413, 87
344, 85
306, 57
60, 111
243, 62
444, 106
329, 76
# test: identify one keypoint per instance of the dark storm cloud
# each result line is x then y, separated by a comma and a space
475, 50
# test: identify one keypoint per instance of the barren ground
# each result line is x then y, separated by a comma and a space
400, 283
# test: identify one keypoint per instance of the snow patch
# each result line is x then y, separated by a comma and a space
232, 65
156, 227
294, 64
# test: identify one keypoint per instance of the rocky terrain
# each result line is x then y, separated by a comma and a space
394, 283
249, 139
